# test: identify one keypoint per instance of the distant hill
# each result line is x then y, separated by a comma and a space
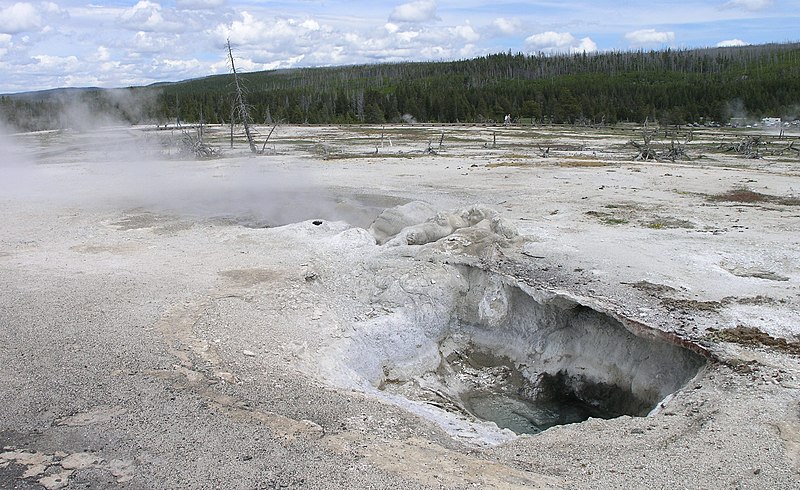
672, 86
52, 93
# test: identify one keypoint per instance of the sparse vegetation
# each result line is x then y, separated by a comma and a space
568, 162
661, 223
747, 196
508, 163
754, 337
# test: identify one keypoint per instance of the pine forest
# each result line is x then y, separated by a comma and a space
710, 85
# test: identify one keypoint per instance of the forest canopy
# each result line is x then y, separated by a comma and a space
670, 86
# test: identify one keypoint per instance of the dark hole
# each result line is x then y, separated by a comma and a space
501, 394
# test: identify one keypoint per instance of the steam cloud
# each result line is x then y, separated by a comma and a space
107, 165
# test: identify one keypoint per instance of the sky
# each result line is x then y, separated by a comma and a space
69, 43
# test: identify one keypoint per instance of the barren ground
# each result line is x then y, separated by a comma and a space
177, 323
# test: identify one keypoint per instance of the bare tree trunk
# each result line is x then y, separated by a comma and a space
177, 112
268, 136
240, 104
233, 117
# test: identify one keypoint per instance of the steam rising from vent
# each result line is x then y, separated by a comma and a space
106, 168
80, 109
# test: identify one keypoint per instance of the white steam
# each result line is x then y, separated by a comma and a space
120, 168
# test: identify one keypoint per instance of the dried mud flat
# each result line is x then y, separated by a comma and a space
232, 323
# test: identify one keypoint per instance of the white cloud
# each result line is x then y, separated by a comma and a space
731, 42
59, 64
18, 18
248, 64
436, 52
419, 11
310, 24
181, 66
147, 16
81, 81
465, 32
391, 28
586, 46
102, 54
110, 66
52, 8
407, 36
649, 36
147, 42
199, 4
332, 55
559, 42
751, 5
506, 26
5, 44
468, 51
293, 34
247, 30
549, 39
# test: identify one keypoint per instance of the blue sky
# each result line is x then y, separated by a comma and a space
68, 43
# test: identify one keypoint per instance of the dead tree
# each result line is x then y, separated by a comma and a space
676, 149
194, 144
494, 141
748, 147
239, 103
268, 136
791, 148
429, 150
646, 151
674, 152
543, 153
233, 118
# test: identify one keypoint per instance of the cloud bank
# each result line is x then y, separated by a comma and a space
551, 42
419, 11
648, 37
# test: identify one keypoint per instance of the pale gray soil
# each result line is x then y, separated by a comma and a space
155, 334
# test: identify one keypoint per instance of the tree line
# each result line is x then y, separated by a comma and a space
671, 86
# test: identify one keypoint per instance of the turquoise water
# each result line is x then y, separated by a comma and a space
522, 416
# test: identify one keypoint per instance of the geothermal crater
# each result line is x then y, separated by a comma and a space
487, 348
